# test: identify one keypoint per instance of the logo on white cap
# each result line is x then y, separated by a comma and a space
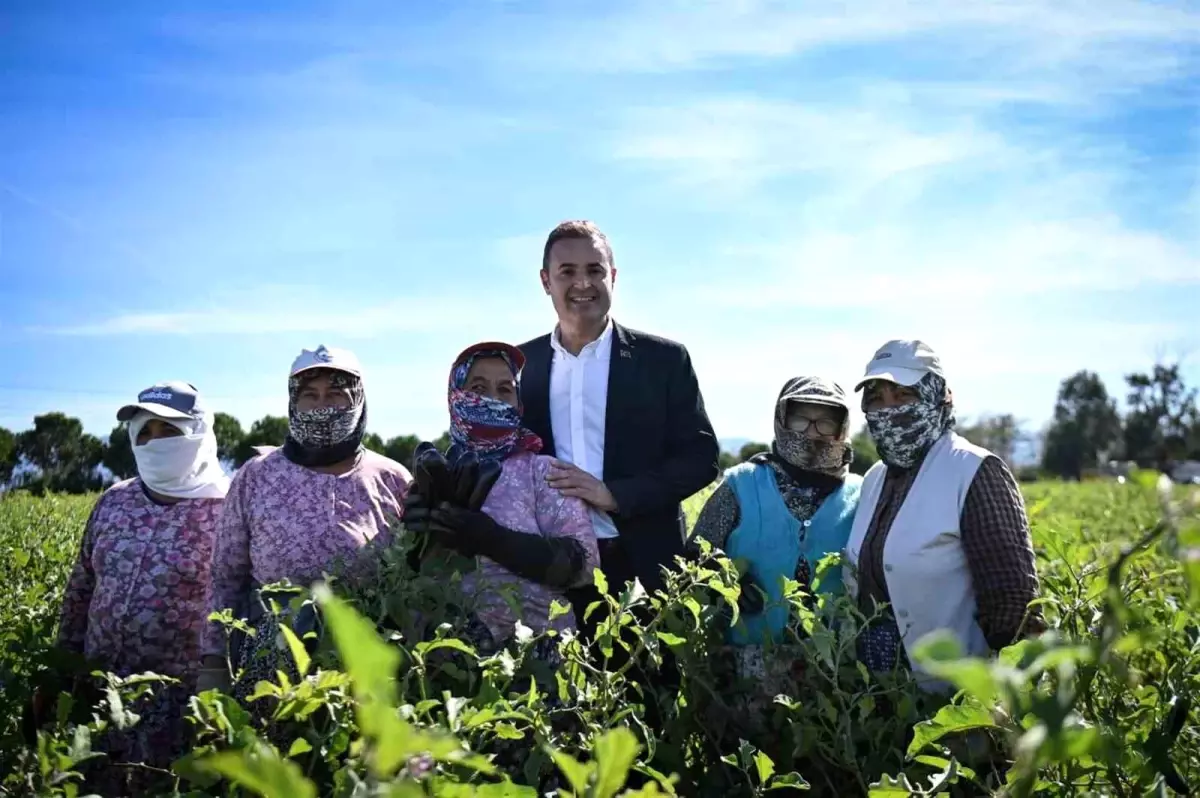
322, 354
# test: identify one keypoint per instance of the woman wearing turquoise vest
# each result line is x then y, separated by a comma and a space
783, 510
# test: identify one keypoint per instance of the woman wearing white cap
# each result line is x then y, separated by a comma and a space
135, 599
941, 533
295, 512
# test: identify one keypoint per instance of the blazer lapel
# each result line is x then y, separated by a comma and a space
622, 379
535, 392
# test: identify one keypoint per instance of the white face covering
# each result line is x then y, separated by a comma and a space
183, 467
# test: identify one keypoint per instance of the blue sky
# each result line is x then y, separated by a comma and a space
197, 191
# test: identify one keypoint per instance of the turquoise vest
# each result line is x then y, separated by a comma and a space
768, 538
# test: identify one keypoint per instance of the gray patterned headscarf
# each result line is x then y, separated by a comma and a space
904, 434
797, 448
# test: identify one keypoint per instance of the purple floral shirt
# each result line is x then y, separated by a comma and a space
135, 599
285, 521
521, 500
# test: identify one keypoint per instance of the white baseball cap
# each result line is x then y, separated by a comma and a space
902, 362
325, 357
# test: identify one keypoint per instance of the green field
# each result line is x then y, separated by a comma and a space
1102, 705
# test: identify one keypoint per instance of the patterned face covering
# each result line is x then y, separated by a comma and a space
824, 457
488, 427
904, 434
325, 427
797, 448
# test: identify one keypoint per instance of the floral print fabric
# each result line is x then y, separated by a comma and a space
521, 500
135, 602
285, 521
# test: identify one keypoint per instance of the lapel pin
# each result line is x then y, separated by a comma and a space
626, 353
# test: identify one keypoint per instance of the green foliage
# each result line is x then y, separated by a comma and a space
391, 700
64, 456
750, 449
998, 434
374, 442
8, 455
118, 453
401, 449
1085, 428
1163, 423
267, 431
229, 434
865, 454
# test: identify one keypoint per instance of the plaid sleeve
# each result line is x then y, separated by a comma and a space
999, 550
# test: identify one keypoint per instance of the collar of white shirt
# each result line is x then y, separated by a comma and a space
599, 349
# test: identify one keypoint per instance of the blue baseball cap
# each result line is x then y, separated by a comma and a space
178, 400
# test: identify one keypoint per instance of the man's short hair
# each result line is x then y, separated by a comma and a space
576, 228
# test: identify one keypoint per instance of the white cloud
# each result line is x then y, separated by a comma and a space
874, 267
1112, 36
336, 315
738, 143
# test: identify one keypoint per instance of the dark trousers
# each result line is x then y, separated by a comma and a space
618, 569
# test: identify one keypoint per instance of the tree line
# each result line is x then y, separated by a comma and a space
1161, 426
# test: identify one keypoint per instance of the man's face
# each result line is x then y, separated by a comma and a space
579, 279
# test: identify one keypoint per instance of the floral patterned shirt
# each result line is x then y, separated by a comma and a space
285, 521
522, 501
135, 599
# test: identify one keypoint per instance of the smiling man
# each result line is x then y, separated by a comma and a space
620, 410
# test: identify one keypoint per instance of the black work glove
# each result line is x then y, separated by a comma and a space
432, 478
473, 480
550, 561
453, 527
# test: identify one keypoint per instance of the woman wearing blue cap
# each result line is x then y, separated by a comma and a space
135, 598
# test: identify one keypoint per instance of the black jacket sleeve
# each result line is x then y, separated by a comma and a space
692, 452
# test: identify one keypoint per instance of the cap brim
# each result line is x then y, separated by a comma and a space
327, 367
162, 411
514, 354
905, 377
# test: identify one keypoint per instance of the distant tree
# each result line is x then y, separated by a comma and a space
1085, 428
64, 456
8, 455
727, 460
401, 449
865, 454
374, 442
118, 453
1162, 416
998, 434
750, 449
267, 431
229, 436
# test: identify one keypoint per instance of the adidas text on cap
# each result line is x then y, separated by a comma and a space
178, 400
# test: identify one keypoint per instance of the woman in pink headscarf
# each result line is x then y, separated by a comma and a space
532, 542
